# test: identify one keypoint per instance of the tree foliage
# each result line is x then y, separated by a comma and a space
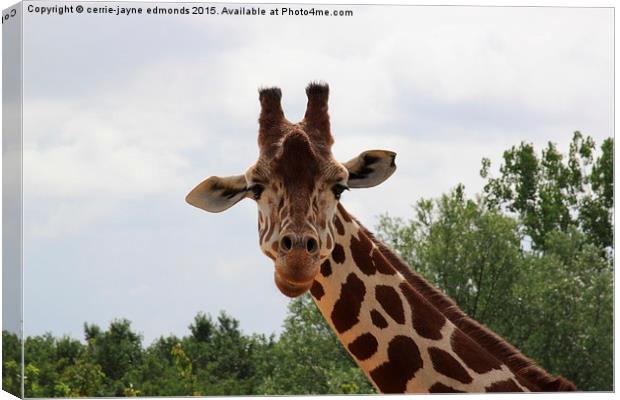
11, 363
215, 358
309, 359
554, 192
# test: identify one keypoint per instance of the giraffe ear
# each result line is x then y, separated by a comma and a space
217, 194
370, 168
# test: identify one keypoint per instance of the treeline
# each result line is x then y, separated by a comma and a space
215, 358
531, 257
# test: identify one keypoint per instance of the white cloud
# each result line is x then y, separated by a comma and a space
233, 268
68, 220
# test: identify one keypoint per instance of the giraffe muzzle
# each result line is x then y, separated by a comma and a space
297, 263
290, 289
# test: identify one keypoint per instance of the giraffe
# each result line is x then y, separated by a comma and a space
402, 332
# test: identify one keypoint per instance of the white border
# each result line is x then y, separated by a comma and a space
521, 3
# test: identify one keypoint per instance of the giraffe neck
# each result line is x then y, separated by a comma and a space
403, 333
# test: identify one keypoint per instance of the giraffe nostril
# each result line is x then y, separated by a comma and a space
311, 245
286, 243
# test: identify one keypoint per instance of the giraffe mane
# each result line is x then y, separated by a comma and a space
527, 371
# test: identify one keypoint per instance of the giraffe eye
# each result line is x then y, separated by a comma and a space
257, 190
337, 189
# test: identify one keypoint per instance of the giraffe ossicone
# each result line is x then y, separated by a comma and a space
403, 333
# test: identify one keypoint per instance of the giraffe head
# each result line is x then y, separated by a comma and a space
296, 183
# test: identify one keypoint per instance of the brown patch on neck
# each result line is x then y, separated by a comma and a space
472, 355
317, 290
360, 250
364, 346
404, 360
504, 387
378, 320
526, 371
326, 268
425, 318
447, 365
338, 225
338, 254
441, 388
391, 303
347, 309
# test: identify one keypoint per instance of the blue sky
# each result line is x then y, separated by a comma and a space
123, 116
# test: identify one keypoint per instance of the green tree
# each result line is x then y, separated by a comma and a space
11, 377
565, 321
309, 359
215, 359
11, 362
554, 192
40, 370
202, 328
184, 368
31, 381
157, 375
119, 353
81, 379
225, 364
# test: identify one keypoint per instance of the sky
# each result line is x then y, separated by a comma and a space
124, 115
